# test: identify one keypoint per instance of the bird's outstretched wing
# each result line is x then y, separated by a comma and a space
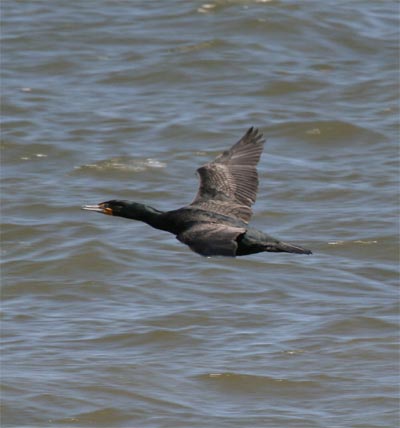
229, 184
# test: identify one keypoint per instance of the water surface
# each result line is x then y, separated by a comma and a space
107, 322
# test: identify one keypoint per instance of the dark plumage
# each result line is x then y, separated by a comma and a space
216, 222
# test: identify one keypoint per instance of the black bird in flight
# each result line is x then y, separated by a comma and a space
216, 222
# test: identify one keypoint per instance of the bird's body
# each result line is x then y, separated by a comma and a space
216, 222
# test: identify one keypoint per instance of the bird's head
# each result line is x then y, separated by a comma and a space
127, 209
113, 207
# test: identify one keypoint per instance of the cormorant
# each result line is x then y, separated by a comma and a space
216, 222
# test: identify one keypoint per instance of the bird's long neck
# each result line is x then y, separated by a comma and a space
141, 212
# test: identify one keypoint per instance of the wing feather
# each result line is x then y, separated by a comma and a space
212, 239
229, 184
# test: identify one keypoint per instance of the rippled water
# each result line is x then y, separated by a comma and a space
107, 322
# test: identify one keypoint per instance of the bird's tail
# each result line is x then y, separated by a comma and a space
284, 247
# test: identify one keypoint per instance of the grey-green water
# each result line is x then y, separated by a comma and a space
107, 322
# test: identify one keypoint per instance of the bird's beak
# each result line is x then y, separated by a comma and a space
99, 208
